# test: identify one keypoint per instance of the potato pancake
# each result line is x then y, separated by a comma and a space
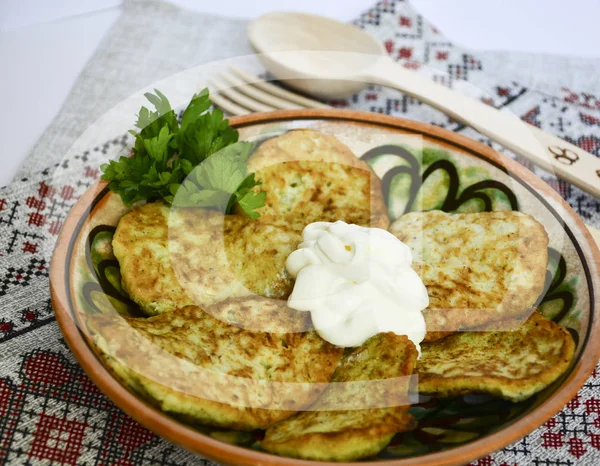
172, 257
513, 364
479, 268
205, 370
349, 432
312, 177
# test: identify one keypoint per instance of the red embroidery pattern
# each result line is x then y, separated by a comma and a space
31, 248
57, 439
51, 412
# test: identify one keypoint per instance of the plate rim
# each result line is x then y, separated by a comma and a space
179, 433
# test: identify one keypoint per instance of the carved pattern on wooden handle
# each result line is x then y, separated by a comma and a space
565, 156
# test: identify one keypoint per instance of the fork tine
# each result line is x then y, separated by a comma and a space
275, 90
240, 98
258, 94
227, 105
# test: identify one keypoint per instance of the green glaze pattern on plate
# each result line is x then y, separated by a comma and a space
415, 177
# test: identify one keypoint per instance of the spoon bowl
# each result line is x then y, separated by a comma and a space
315, 55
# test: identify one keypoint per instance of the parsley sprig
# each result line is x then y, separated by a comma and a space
196, 163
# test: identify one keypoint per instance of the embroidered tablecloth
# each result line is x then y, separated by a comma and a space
51, 413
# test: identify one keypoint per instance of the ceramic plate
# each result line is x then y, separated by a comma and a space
422, 168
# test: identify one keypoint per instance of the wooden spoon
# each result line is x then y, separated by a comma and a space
329, 59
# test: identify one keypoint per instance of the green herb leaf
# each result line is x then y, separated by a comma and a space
203, 134
150, 123
198, 163
197, 106
157, 148
252, 201
225, 176
226, 169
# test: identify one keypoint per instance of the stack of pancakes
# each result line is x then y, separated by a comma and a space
220, 346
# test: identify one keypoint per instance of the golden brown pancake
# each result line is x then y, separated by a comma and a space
205, 370
170, 257
311, 176
479, 268
349, 433
513, 364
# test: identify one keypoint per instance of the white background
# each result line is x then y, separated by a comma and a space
44, 44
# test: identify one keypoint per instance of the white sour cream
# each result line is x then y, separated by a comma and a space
357, 282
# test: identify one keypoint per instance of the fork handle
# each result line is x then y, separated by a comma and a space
551, 153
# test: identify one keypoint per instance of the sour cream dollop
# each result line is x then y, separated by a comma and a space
356, 282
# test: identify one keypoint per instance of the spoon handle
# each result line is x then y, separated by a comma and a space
556, 155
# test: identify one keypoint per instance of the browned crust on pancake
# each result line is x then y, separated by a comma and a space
478, 268
348, 445
341, 187
513, 364
171, 258
208, 371
353, 433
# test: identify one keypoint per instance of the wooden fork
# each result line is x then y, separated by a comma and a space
240, 93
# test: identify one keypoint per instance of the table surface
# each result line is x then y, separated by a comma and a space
45, 45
